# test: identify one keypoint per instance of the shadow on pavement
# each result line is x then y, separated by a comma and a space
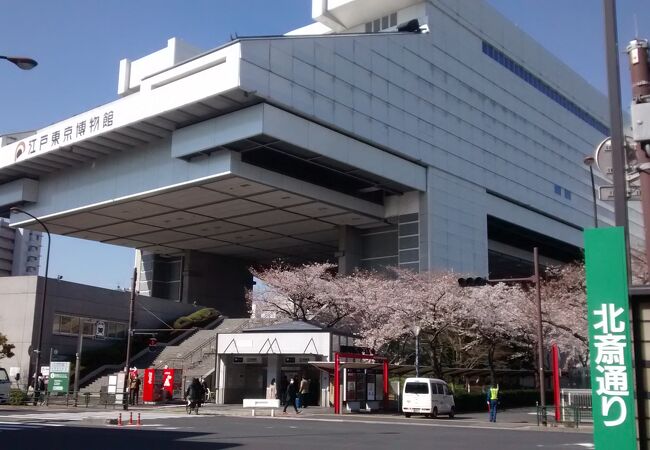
84, 438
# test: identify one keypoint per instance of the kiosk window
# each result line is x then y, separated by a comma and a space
417, 388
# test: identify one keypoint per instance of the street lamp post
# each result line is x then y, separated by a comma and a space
416, 331
589, 161
21, 62
39, 341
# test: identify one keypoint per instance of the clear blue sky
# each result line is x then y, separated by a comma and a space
78, 45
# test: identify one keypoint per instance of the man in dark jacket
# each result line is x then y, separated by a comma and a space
290, 396
194, 392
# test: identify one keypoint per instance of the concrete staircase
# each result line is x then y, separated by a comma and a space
175, 355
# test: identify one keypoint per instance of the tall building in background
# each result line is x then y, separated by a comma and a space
20, 250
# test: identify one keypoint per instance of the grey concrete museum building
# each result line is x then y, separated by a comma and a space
460, 148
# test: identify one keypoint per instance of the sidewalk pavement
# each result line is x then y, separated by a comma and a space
518, 418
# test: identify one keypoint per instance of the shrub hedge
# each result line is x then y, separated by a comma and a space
17, 397
477, 401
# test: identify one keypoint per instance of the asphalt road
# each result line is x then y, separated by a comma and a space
212, 432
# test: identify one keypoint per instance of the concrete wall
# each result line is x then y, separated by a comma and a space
20, 306
216, 281
438, 99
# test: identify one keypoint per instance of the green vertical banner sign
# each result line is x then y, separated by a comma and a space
610, 346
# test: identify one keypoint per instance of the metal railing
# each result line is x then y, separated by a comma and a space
97, 373
576, 402
195, 356
67, 399
571, 416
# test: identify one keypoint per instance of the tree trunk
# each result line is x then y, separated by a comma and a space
490, 361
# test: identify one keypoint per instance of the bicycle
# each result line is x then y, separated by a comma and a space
192, 405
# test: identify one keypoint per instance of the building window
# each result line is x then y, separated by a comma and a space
382, 23
69, 325
567, 194
544, 88
558, 189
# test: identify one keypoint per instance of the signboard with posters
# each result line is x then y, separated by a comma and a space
168, 384
59, 377
609, 339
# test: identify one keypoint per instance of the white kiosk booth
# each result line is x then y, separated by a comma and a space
247, 361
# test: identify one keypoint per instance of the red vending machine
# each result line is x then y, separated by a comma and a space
149, 391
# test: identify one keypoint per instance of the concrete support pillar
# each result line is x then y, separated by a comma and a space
350, 249
217, 282
453, 225
273, 370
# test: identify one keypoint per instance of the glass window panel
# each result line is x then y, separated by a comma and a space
416, 388
376, 25
368, 27
89, 328
384, 22
393, 19
56, 324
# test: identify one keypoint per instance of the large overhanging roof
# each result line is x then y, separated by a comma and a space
253, 212
203, 87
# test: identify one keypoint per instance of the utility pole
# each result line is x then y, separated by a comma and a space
77, 366
535, 278
125, 398
640, 78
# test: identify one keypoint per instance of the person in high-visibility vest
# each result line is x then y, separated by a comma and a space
492, 400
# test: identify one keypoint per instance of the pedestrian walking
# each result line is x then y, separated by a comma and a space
493, 400
206, 389
272, 391
284, 384
303, 393
195, 393
39, 387
134, 388
290, 396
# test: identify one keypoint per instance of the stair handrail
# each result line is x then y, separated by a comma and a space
90, 377
190, 354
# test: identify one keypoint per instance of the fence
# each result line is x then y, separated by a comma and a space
575, 405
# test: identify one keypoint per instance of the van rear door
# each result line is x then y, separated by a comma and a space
416, 396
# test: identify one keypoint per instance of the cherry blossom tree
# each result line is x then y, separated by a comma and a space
492, 318
564, 312
492, 326
403, 300
306, 292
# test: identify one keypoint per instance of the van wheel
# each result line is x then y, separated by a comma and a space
434, 413
452, 412
407, 415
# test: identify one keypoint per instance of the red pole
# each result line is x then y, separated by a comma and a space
385, 385
556, 380
336, 384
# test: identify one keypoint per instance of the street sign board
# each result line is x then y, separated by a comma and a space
59, 377
604, 157
606, 193
609, 339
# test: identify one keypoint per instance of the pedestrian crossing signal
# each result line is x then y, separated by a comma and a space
472, 282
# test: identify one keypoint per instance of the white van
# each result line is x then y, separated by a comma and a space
428, 396
5, 386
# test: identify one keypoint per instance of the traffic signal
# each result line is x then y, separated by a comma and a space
472, 282
152, 344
